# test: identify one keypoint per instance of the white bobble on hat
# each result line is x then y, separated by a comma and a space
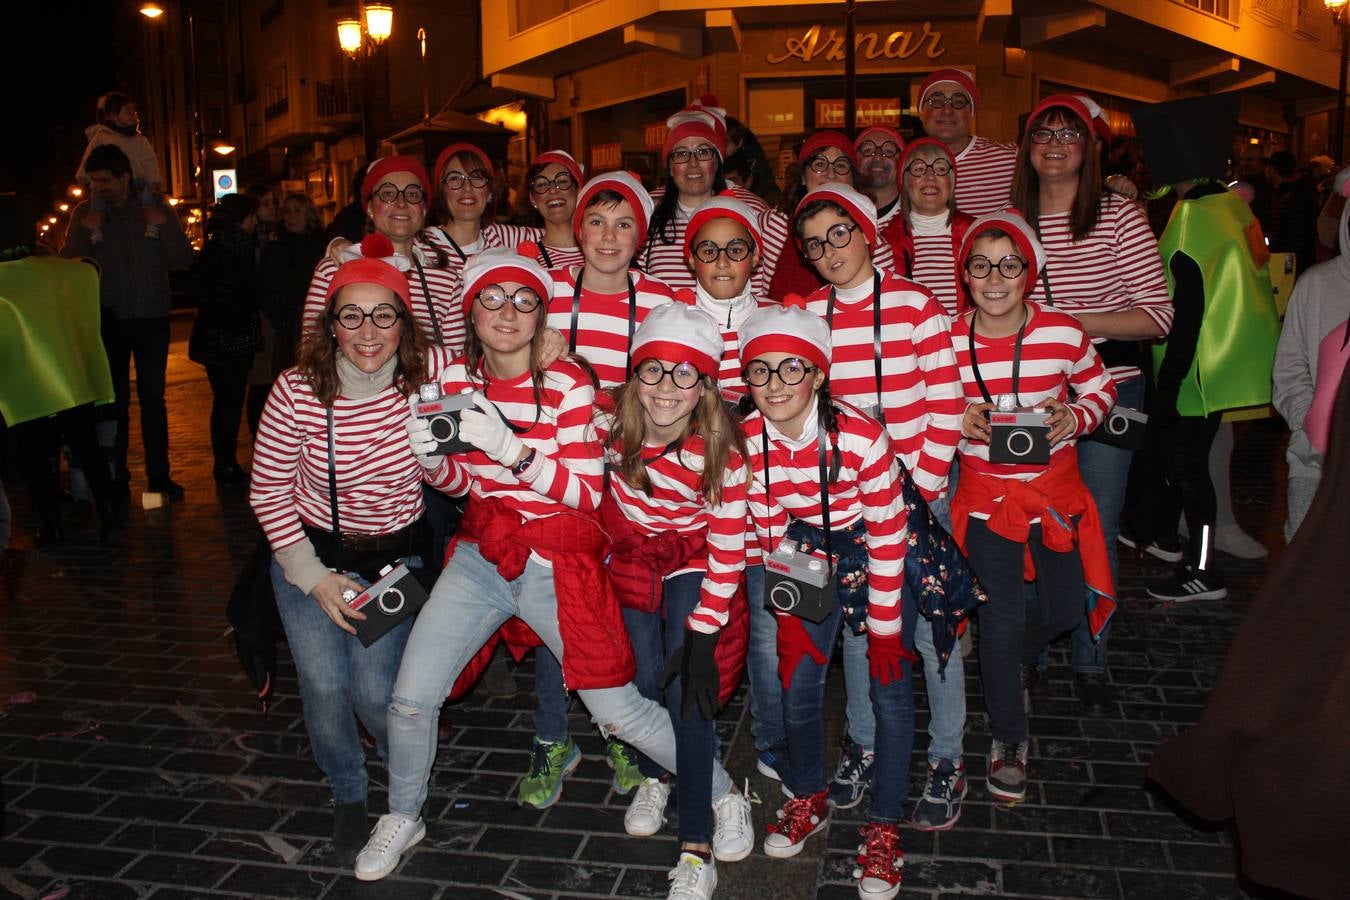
678, 332
787, 328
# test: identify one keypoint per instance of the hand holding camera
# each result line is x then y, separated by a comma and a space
423, 443
440, 415
1062, 421
328, 593
975, 423
483, 426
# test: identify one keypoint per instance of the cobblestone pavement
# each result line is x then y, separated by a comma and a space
136, 762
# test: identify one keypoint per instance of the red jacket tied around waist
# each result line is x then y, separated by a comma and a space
1055, 496
638, 565
596, 652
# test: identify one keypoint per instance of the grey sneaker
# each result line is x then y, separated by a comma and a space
852, 777
1008, 771
939, 806
392, 835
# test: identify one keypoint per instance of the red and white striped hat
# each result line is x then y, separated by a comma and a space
786, 328
1011, 223
373, 261
627, 185
1081, 105
677, 332
723, 206
562, 158
822, 140
859, 207
703, 118
961, 79
499, 264
886, 132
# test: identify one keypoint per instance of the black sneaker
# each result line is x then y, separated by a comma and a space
1094, 692
852, 776
1190, 583
940, 805
1166, 549
169, 488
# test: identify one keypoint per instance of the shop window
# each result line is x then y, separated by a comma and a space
1224, 9
777, 108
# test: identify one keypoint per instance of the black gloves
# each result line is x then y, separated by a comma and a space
696, 665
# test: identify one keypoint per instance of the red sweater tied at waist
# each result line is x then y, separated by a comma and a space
596, 652
1056, 497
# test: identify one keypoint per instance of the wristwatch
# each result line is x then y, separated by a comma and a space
519, 468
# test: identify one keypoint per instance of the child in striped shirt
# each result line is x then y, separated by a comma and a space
675, 515
892, 359
1024, 519
528, 555
825, 476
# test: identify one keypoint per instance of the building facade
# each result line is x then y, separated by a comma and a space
610, 71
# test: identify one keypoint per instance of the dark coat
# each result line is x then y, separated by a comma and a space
284, 275
1269, 751
223, 287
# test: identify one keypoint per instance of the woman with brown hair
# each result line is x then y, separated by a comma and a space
1103, 268
547, 203
332, 448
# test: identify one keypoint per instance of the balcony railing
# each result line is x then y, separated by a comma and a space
341, 97
278, 109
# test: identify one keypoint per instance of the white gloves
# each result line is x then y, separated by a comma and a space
485, 428
420, 439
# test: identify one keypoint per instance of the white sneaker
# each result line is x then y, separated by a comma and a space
1231, 539
692, 878
392, 835
733, 832
647, 811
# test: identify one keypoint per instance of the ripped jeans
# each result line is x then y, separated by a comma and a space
470, 602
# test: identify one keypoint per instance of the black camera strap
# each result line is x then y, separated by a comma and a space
821, 435
332, 492
632, 319
431, 306
1045, 283
455, 245
1016, 363
547, 260
876, 334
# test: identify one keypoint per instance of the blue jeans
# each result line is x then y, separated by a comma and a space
645, 634
761, 664
338, 677
804, 719
550, 699
862, 725
946, 699
1105, 471
657, 638
470, 602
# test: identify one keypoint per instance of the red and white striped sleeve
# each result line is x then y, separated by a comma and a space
574, 475
1140, 263
314, 297
776, 232
942, 400
885, 519
726, 552
276, 459
1093, 387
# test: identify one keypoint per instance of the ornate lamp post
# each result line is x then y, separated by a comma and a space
359, 38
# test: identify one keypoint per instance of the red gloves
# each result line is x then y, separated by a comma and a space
884, 655
793, 644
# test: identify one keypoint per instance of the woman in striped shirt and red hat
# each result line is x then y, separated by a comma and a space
345, 401
551, 186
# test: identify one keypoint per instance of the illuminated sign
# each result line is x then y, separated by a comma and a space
867, 45
606, 157
654, 136
225, 182
868, 112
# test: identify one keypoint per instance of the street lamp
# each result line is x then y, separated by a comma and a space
1338, 15
359, 38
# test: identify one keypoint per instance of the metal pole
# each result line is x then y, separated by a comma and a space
1339, 141
365, 66
205, 191
850, 71
426, 101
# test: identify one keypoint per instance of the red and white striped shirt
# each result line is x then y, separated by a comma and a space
602, 319
729, 315
1115, 267
379, 480
549, 257
935, 268
442, 311
984, 174
780, 237
920, 387
667, 261
568, 468
868, 488
677, 504
1057, 360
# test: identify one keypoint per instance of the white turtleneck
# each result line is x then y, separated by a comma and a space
728, 314
927, 226
356, 384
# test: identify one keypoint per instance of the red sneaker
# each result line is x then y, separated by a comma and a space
799, 818
880, 860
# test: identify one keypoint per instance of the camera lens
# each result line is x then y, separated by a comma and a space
391, 601
444, 428
1020, 442
1116, 424
784, 595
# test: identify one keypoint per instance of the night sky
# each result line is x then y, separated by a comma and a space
52, 89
